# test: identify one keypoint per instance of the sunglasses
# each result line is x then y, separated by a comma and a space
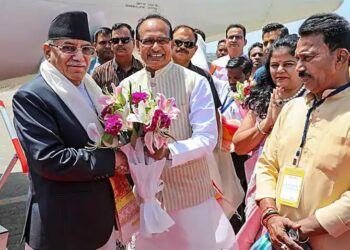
72, 49
236, 37
152, 41
187, 44
117, 40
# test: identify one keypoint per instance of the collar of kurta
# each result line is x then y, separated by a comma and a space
161, 71
70, 95
309, 96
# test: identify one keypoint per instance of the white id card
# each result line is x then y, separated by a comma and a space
291, 185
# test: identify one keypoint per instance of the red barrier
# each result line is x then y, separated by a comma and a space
14, 138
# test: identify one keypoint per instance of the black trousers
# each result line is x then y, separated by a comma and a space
237, 221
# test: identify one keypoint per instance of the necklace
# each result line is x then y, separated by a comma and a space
297, 94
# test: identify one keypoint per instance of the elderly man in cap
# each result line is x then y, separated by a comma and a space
71, 203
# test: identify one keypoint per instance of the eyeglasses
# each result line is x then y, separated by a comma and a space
237, 37
187, 44
152, 41
72, 49
117, 40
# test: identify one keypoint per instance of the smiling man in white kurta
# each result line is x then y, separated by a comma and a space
187, 195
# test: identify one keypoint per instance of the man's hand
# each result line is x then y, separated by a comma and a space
159, 154
121, 163
277, 227
310, 227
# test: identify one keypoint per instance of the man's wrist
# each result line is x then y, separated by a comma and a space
270, 213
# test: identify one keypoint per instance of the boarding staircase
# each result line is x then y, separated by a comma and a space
18, 155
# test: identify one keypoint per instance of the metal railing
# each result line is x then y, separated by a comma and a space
19, 155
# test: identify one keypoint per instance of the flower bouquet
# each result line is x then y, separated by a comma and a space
128, 116
230, 126
243, 90
145, 172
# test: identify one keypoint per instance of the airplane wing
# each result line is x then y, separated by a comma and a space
24, 23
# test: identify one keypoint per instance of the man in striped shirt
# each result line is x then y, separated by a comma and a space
124, 63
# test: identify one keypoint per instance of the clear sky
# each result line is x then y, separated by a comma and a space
252, 37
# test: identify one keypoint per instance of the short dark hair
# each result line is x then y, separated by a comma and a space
117, 26
221, 41
254, 45
240, 62
153, 16
236, 25
200, 32
334, 28
101, 30
275, 26
186, 27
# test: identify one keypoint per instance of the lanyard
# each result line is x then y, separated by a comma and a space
307, 121
225, 106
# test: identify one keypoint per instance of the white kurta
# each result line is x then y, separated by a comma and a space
202, 226
220, 64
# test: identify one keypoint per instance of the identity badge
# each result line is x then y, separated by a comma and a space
291, 185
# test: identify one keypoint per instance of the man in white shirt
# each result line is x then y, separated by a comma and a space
235, 42
187, 194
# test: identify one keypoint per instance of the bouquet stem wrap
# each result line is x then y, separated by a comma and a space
146, 175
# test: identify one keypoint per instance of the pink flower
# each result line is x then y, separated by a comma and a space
155, 139
160, 120
107, 110
168, 106
138, 97
113, 124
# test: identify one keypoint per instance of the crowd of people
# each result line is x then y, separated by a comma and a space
283, 182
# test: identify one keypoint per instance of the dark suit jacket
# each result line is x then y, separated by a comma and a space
70, 203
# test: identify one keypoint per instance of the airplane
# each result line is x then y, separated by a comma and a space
24, 23
24, 26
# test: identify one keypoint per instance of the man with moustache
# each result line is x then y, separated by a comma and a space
102, 44
235, 42
187, 195
124, 63
303, 186
256, 56
221, 49
183, 48
70, 201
